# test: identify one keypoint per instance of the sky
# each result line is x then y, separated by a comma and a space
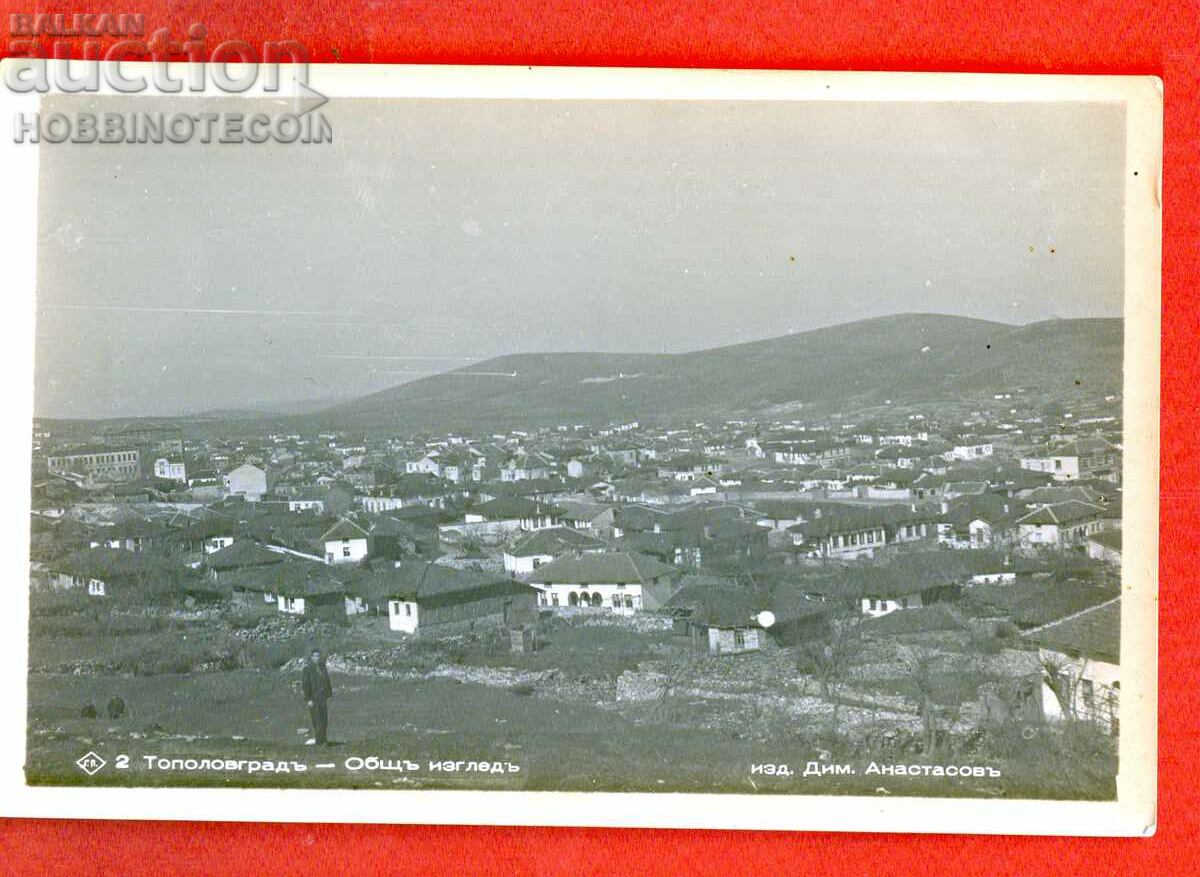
431, 234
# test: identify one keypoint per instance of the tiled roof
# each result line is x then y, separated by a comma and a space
242, 553
554, 540
1093, 633
1069, 512
622, 567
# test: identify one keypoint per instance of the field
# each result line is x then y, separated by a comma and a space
617, 705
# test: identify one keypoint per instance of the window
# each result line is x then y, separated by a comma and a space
1058, 464
739, 639
1088, 693
345, 551
408, 610
554, 599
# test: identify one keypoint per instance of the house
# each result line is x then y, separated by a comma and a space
208, 535
243, 554
970, 451
129, 535
459, 468
853, 532
623, 582
1083, 458
705, 486
587, 515
799, 618
1081, 656
312, 591
955, 489
393, 537
424, 597
293, 587
525, 467
975, 522
309, 499
704, 536
1105, 546
542, 546
720, 618
344, 542
206, 484
109, 572
171, 469
509, 513
911, 582
1060, 525
689, 467
426, 465
576, 468
246, 480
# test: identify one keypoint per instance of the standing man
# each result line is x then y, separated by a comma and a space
317, 692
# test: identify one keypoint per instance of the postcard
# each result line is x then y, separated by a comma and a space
678, 448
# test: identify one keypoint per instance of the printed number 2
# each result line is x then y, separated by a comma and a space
122, 762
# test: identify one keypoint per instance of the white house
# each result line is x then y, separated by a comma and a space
427, 465
1060, 524
621, 582
376, 503
1092, 457
403, 615
246, 480
172, 470
542, 546
345, 542
970, 452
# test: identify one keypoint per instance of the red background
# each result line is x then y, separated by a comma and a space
977, 35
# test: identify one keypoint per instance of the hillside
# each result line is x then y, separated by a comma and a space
905, 358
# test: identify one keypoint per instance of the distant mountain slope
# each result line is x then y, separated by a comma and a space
910, 357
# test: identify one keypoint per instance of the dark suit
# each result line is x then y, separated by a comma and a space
317, 691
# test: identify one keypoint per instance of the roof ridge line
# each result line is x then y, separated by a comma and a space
1074, 615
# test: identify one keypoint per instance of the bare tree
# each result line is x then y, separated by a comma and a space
1056, 673
831, 658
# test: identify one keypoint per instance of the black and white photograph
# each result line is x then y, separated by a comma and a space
786, 437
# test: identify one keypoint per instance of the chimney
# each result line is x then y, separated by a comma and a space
945, 507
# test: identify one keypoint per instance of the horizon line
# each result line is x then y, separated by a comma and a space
326, 404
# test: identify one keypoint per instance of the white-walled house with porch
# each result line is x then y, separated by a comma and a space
622, 582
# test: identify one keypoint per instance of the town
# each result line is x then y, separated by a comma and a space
674, 600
